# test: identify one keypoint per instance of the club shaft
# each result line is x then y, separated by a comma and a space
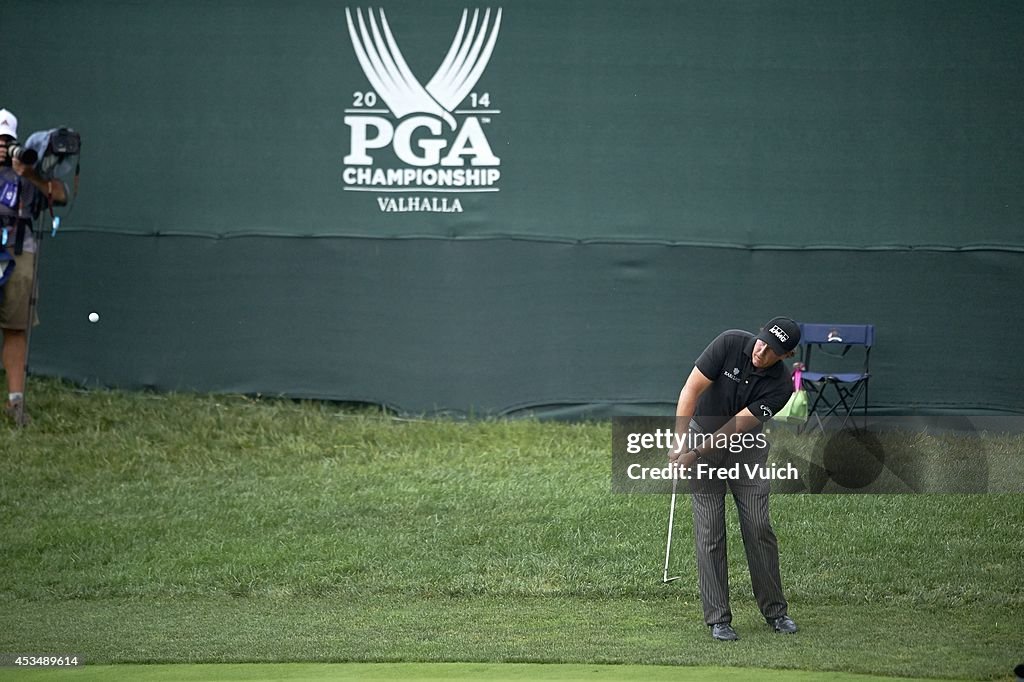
671, 519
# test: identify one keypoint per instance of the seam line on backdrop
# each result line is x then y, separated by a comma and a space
940, 248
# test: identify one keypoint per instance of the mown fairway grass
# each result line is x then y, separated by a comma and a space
430, 672
141, 528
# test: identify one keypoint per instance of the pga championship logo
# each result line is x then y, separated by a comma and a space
429, 144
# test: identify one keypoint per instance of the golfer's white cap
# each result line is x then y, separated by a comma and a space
8, 124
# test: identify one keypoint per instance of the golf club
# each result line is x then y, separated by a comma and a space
668, 543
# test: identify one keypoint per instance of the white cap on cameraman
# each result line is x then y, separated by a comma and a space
8, 124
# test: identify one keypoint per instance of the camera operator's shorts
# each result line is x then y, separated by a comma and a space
17, 292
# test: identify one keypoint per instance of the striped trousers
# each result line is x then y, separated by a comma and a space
762, 548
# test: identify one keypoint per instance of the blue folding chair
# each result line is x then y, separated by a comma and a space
831, 392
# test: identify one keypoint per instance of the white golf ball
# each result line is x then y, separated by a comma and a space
94, 317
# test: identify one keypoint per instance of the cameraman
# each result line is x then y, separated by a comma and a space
23, 194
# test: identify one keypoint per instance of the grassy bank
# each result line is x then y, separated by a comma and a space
142, 528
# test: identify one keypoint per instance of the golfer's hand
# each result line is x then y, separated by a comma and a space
683, 459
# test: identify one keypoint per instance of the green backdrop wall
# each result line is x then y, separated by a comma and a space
655, 172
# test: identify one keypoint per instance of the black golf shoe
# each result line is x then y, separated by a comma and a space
783, 624
723, 632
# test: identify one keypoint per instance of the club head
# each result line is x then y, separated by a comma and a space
665, 579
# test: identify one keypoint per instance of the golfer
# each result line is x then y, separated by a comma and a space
737, 384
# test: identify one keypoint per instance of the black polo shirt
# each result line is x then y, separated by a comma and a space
737, 384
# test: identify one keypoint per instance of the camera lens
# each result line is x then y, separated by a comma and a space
23, 155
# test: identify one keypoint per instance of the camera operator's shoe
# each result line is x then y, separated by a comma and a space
18, 413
